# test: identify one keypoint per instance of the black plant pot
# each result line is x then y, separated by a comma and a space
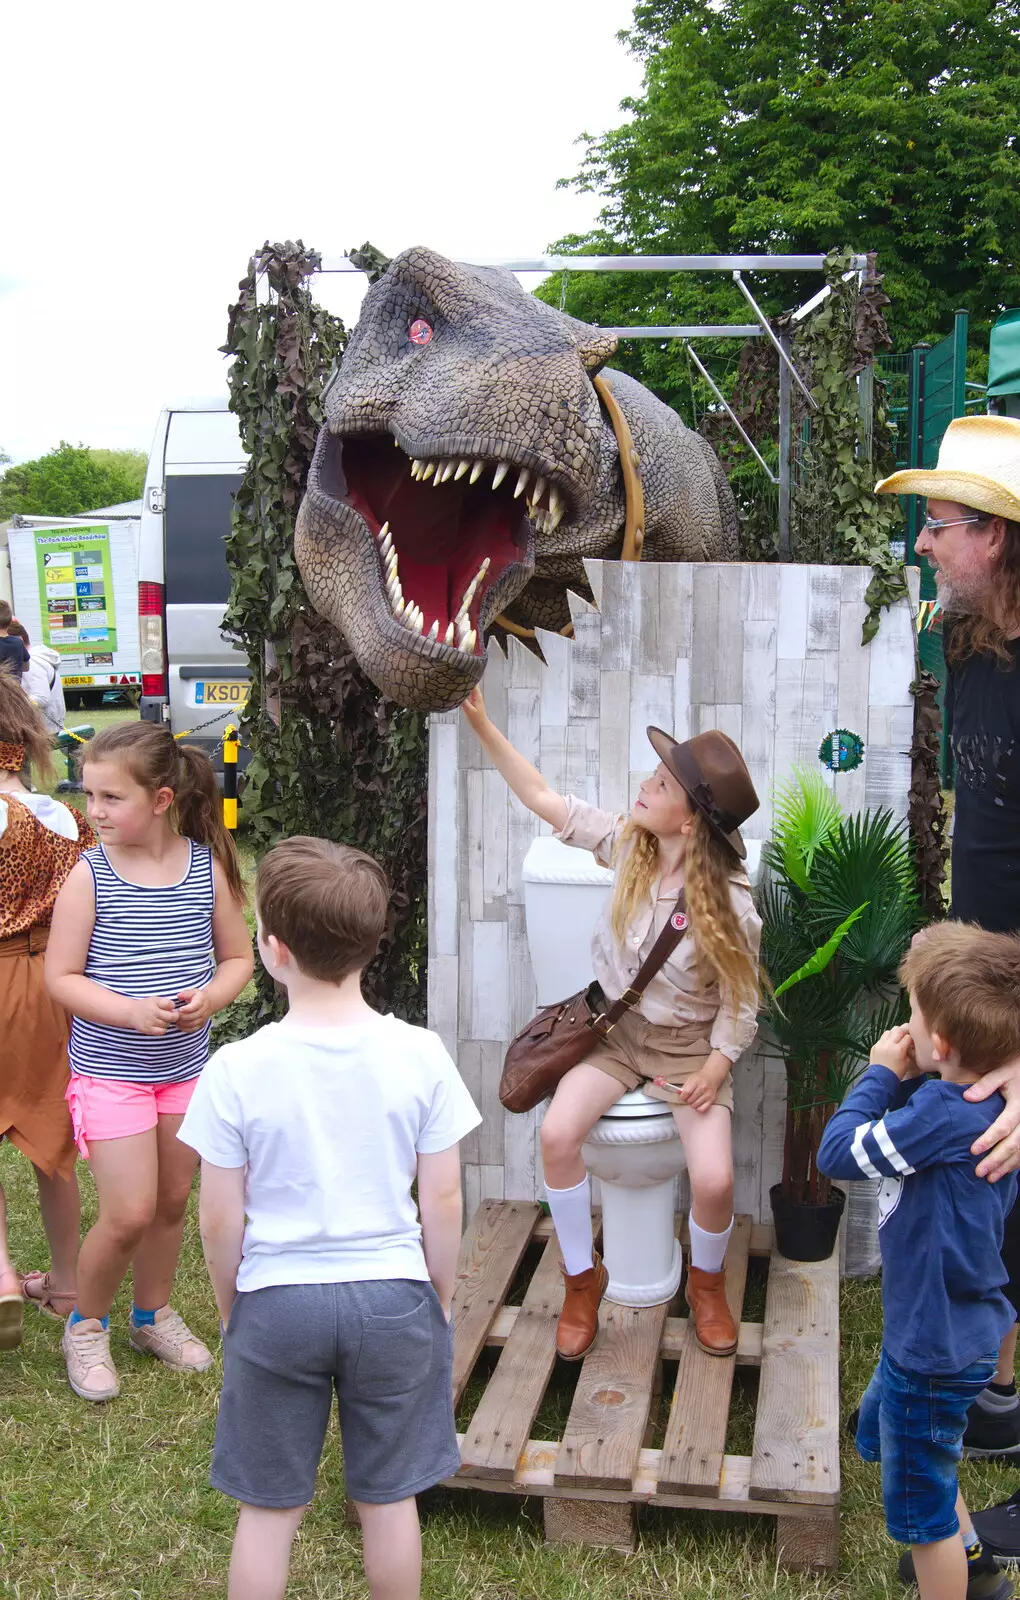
806, 1232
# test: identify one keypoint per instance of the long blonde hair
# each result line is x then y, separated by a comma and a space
722, 952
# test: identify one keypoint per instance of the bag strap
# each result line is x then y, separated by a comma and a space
662, 949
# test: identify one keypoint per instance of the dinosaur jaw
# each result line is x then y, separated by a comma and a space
411, 570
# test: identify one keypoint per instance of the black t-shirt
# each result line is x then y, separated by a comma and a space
13, 650
983, 718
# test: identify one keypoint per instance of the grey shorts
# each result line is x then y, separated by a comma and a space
387, 1351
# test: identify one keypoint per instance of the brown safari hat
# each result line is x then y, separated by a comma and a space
714, 774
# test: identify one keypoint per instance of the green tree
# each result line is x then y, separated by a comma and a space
70, 480
766, 127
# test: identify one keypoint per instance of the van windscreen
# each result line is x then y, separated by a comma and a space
196, 525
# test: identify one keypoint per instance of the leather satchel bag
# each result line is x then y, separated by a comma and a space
560, 1036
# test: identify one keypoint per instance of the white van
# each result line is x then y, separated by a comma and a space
192, 676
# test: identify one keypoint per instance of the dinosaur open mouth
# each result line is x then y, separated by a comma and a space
446, 531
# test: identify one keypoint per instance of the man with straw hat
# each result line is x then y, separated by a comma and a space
971, 536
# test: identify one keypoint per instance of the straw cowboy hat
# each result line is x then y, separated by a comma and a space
713, 772
978, 466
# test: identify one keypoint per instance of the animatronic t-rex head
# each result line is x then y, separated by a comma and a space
463, 420
505, 476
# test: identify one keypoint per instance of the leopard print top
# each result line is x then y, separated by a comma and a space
34, 861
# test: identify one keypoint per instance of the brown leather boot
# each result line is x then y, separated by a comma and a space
578, 1327
714, 1328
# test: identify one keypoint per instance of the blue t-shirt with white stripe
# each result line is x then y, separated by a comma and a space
147, 940
940, 1226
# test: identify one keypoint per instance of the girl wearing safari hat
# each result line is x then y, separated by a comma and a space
695, 1018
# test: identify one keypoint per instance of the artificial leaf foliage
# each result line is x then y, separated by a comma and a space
329, 755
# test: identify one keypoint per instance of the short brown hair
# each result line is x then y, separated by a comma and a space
5, 614
326, 902
967, 984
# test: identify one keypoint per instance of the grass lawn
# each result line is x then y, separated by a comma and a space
108, 1502
111, 1502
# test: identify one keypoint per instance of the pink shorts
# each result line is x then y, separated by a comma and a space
106, 1108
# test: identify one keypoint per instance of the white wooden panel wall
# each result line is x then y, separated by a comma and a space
770, 654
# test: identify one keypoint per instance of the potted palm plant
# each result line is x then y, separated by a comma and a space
839, 907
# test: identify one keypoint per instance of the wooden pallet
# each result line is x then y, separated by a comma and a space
594, 1477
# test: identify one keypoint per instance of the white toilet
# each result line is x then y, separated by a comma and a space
634, 1149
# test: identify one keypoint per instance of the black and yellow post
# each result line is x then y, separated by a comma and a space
231, 743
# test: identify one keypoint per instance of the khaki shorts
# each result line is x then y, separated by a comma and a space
637, 1051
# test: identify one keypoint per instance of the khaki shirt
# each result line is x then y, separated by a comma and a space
675, 997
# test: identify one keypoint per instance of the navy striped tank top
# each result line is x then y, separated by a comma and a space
147, 941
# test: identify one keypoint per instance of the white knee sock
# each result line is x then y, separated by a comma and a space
571, 1214
708, 1250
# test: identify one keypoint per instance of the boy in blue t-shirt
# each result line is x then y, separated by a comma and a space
940, 1230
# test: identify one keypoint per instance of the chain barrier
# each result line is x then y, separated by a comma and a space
230, 742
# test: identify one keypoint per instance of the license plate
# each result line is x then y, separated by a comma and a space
77, 683
233, 692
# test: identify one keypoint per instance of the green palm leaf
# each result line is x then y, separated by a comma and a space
806, 814
824, 954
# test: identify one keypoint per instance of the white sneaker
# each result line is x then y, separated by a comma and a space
90, 1369
171, 1341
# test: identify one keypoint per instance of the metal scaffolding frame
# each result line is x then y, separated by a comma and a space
761, 328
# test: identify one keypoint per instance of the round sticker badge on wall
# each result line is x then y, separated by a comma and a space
841, 750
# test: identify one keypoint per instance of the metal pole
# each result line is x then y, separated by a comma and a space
230, 747
729, 412
766, 325
960, 328
915, 445
813, 263
785, 427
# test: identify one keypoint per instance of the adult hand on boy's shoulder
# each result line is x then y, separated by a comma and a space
1000, 1143
895, 1050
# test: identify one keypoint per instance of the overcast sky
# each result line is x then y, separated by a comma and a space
149, 149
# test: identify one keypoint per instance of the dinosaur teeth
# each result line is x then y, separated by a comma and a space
428, 470
417, 468
469, 592
522, 482
448, 471
448, 635
538, 490
467, 644
476, 471
500, 473
463, 466
385, 539
434, 630
556, 507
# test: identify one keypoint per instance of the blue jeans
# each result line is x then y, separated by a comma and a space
913, 1424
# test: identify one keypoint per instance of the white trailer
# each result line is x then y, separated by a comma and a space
75, 588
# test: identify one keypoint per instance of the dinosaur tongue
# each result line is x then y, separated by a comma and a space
443, 536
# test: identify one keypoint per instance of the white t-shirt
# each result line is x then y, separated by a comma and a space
329, 1123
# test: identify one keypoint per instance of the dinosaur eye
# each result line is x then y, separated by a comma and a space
420, 331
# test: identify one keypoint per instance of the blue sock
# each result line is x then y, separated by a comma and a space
76, 1316
142, 1319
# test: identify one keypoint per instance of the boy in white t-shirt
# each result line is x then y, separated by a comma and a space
311, 1134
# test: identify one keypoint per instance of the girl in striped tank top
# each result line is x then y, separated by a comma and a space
148, 942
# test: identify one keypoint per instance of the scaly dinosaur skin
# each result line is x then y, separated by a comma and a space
505, 475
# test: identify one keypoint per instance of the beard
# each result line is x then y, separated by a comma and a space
964, 595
